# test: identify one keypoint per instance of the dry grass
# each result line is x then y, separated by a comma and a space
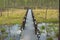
12, 16
52, 15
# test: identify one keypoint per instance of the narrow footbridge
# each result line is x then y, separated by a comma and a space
29, 28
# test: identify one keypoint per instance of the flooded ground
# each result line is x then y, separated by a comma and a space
49, 31
12, 32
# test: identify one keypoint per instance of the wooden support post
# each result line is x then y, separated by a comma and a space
35, 28
23, 23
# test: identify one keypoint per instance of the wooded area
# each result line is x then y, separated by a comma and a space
29, 3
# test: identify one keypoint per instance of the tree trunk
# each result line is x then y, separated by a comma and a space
1, 12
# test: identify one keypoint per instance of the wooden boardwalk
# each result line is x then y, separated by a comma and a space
29, 32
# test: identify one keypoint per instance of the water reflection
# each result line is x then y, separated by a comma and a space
50, 30
13, 32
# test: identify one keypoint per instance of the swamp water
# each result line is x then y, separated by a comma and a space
13, 32
48, 28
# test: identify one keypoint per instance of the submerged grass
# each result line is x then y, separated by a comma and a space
12, 16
